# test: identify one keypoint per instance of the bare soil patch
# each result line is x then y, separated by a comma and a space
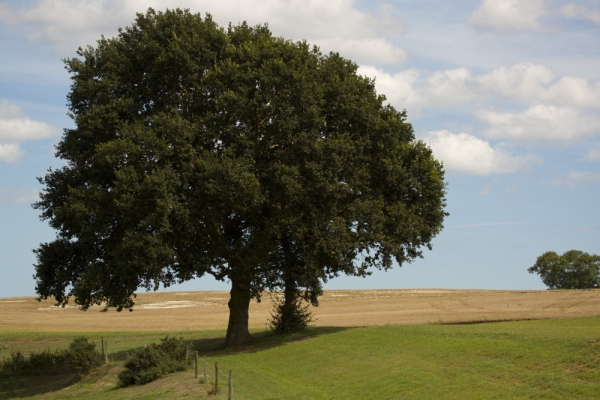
208, 310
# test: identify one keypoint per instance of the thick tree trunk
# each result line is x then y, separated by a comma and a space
239, 303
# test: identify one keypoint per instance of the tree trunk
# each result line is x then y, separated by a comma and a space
239, 303
290, 295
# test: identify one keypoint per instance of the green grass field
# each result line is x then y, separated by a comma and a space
543, 359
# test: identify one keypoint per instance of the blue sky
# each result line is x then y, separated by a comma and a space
506, 93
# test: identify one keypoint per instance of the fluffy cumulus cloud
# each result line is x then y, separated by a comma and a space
526, 83
10, 152
16, 127
453, 86
466, 154
554, 109
508, 15
579, 11
529, 82
333, 25
399, 88
540, 123
375, 50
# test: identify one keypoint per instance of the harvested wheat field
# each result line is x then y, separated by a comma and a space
208, 310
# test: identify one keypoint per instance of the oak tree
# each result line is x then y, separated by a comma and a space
257, 160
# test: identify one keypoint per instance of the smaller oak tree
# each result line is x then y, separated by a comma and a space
572, 270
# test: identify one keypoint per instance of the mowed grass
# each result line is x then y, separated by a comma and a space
545, 359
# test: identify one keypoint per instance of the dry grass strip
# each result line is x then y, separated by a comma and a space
208, 310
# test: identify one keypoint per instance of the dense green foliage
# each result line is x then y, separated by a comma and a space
37, 362
152, 362
290, 316
199, 150
572, 270
81, 358
82, 355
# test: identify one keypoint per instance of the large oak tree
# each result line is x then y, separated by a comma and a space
202, 150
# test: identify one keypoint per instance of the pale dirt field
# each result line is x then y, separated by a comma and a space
208, 310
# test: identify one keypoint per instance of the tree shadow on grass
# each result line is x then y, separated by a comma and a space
261, 341
22, 386
18, 386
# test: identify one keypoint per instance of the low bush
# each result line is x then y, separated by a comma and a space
46, 361
80, 358
292, 317
152, 362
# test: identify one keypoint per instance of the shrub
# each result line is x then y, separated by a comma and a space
152, 362
82, 356
46, 361
290, 317
13, 363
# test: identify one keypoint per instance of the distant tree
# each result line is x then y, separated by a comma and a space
198, 150
572, 270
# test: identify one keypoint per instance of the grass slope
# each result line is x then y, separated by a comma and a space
542, 359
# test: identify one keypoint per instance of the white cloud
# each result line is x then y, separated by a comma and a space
592, 155
65, 23
576, 177
333, 25
526, 82
453, 86
466, 154
10, 152
16, 127
535, 82
540, 123
578, 11
8, 110
375, 50
397, 87
573, 91
557, 111
508, 15
523, 81
24, 129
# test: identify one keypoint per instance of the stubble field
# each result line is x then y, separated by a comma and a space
208, 310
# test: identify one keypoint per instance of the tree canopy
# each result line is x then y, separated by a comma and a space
572, 270
201, 150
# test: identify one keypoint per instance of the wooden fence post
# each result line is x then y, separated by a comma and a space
230, 386
102, 340
204, 369
216, 377
195, 365
106, 352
